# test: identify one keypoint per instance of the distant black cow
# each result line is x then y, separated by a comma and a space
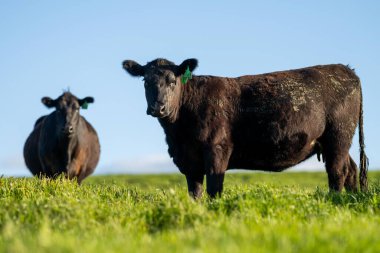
63, 141
259, 122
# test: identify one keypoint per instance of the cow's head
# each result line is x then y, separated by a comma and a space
67, 111
162, 81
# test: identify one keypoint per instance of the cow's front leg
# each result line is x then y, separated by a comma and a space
216, 162
74, 170
195, 185
215, 184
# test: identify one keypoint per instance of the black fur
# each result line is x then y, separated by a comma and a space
63, 141
264, 122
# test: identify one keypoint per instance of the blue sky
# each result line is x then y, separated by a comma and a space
48, 46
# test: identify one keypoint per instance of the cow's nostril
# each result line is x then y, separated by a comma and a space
162, 108
71, 129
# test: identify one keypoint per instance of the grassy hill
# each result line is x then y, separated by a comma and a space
259, 212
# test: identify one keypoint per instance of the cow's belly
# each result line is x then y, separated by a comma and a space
273, 149
278, 138
272, 157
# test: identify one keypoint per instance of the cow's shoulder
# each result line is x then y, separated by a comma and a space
39, 121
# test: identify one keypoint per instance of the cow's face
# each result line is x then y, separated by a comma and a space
66, 112
162, 81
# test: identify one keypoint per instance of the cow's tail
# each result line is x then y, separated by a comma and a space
363, 158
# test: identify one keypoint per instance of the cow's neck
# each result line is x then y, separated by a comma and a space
186, 102
191, 98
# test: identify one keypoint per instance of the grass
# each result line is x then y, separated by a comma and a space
259, 212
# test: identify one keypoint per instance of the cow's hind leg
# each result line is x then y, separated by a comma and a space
336, 142
350, 169
338, 164
334, 168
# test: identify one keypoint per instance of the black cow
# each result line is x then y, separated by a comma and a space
264, 122
63, 141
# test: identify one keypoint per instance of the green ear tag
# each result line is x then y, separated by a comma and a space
186, 76
84, 105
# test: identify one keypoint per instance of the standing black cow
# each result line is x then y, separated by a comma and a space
63, 141
259, 122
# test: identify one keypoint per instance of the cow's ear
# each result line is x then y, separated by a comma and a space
48, 102
133, 68
85, 101
189, 63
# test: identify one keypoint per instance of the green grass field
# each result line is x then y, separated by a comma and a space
259, 212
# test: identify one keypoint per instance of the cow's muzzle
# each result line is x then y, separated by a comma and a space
68, 130
157, 110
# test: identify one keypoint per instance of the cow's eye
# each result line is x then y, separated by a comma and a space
75, 107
